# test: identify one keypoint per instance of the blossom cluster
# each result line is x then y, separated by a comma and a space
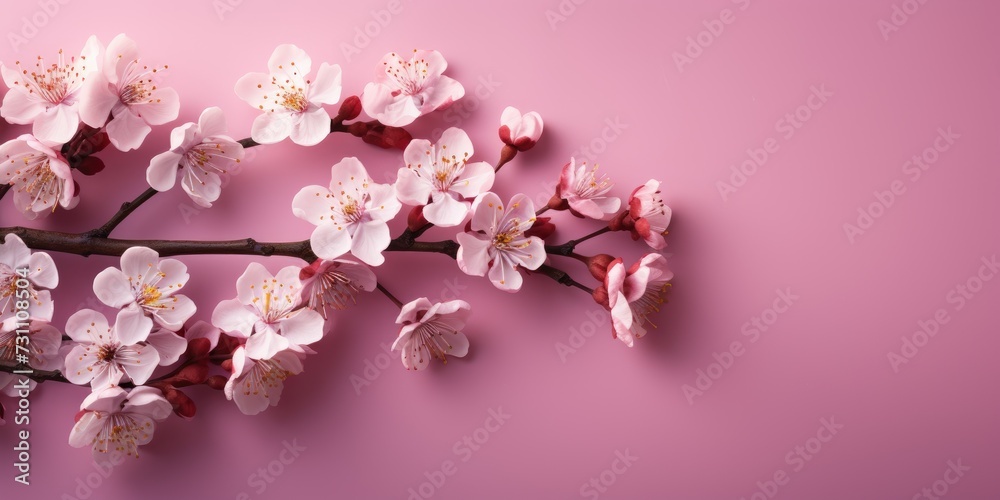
137, 360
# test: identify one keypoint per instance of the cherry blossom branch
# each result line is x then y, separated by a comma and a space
566, 249
127, 208
56, 376
3, 190
87, 244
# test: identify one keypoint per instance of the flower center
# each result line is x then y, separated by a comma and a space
503, 240
150, 295
136, 92
266, 375
121, 433
106, 352
650, 301
294, 100
590, 186
333, 290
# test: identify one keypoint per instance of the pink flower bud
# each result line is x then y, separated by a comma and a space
520, 131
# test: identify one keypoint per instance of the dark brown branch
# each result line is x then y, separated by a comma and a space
87, 244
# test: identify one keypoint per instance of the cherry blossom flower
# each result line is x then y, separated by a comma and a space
650, 215
634, 294
39, 176
203, 153
499, 244
267, 313
148, 283
292, 105
350, 215
257, 383
404, 90
105, 354
131, 92
47, 96
585, 193
115, 421
17, 263
431, 330
518, 131
331, 284
441, 174
43, 342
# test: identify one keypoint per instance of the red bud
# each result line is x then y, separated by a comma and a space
89, 165
349, 109
601, 296
217, 382
557, 203
198, 348
542, 228
183, 405
598, 266
415, 220
387, 137
621, 222
193, 374
310, 270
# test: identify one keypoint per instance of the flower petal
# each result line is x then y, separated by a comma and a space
368, 242
328, 241
309, 128
162, 172
326, 88
112, 288
271, 127
234, 318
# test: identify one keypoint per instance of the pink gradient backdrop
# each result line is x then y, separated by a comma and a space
825, 357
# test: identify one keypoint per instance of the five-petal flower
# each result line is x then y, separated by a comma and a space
39, 176
267, 312
585, 192
404, 90
48, 96
148, 283
115, 421
498, 243
636, 293
131, 92
105, 354
350, 215
431, 330
292, 105
203, 153
17, 263
441, 177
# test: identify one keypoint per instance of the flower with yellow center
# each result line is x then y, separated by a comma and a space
149, 283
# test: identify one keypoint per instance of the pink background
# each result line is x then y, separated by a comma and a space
827, 356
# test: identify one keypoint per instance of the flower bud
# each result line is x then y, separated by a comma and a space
349, 109
217, 382
542, 228
518, 131
557, 203
415, 219
598, 266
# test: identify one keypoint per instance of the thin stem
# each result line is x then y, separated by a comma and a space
3, 190
391, 297
566, 249
127, 208
506, 154
542, 210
